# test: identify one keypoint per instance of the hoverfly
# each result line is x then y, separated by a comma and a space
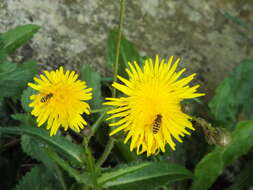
45, 98
157, 123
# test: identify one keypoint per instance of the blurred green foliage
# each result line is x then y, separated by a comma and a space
234, 95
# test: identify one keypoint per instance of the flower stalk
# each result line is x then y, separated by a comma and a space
110, 143
116, 64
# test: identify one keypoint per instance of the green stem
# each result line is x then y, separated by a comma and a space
64, 165
107, 151
89, 157
90, 163
96, 125
203, 123
92, 167
106, 79
98, 110
116, 64
110, 143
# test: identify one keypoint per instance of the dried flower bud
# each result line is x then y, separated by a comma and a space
218, 136
224, 137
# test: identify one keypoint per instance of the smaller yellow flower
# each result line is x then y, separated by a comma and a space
60, 100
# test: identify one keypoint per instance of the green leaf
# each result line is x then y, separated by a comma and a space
60, 144
207, 170
1, 42
38, 178
2, 57
80, 178
93, 80
25, 98
8, 67
152, 176
18, 36
120, 171
25, 119
234, 95
128, 52
41, 152
2, 52
122, 150
30, 66
212, 165
34, 148
14, 77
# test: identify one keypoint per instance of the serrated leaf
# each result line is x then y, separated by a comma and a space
212, 165
150, 177
93, 80
128, 52
18, 36
25, 98
36, 149
37, 179
234, 95
59, 143
14, 77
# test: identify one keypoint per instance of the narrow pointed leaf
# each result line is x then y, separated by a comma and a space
18, 36
109, 176
150, 177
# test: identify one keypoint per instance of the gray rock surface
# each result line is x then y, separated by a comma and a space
74, 32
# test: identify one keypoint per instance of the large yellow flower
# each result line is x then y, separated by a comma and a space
151, 113
60, 100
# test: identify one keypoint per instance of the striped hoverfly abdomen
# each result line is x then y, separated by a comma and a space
157, 123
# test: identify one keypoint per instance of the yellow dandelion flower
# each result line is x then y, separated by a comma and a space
60, 100
151, 113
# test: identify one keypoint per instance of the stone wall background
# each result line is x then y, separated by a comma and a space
74, 32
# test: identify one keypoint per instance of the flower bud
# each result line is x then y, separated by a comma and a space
218, 136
